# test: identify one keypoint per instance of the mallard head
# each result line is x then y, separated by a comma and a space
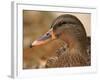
67, 28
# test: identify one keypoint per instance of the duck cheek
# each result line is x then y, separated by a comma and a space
63, 37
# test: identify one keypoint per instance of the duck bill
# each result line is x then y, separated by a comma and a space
48, 36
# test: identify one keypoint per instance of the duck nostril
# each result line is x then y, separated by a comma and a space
47, 34
30, 46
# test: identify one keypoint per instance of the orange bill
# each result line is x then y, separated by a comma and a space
48, 36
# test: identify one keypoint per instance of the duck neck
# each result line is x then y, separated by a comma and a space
75, 46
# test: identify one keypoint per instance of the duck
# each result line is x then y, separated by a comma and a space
69, 29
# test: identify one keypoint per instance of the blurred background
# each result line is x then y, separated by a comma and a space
35, 24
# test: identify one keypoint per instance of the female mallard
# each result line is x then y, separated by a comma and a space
69, 29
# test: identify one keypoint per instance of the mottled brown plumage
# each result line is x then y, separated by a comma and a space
77, 56
63, 60
71, 31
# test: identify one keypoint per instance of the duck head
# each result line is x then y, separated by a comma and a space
65, 27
